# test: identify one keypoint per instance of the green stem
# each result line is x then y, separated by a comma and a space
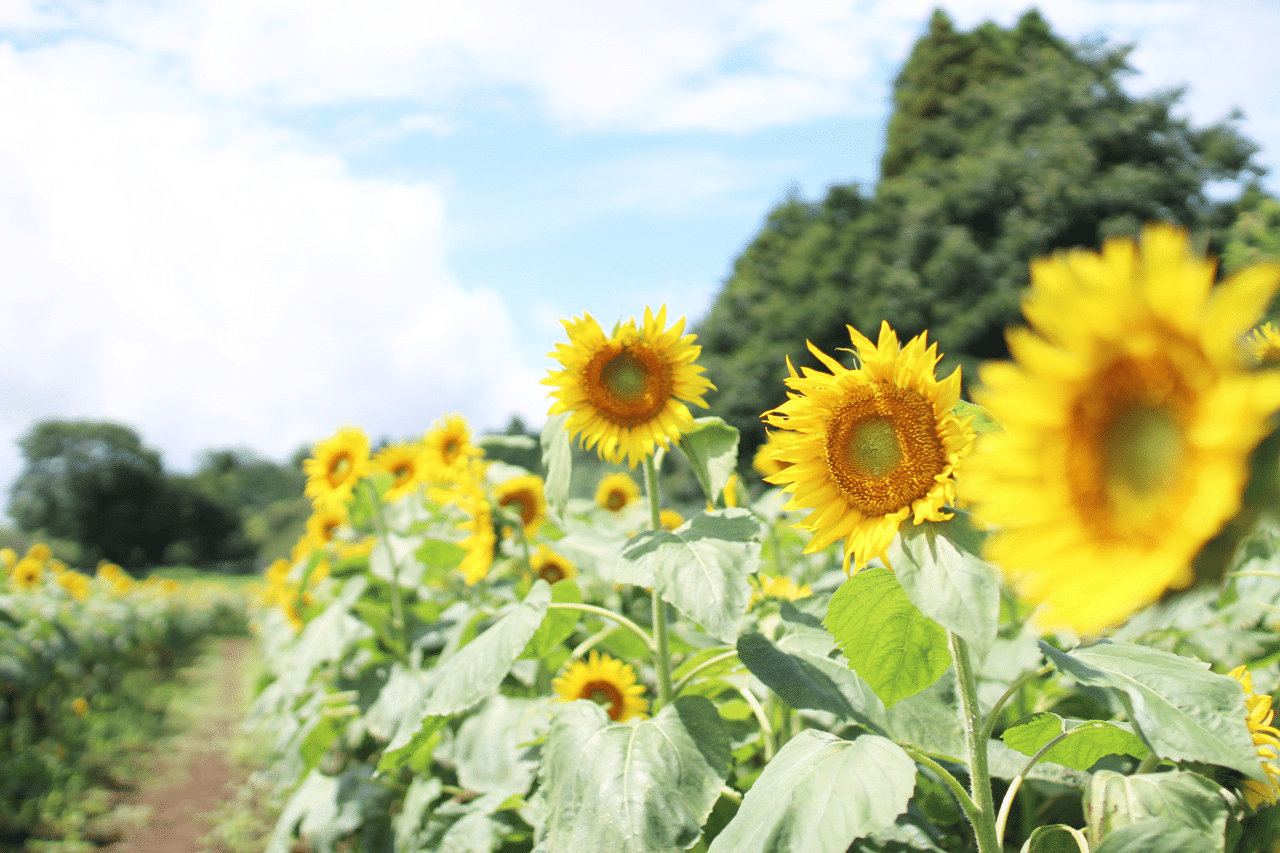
688, 676
608, 614
961, 795
662, 659
1151, 762
1013, 688
1003, 818
397, 605
983, 819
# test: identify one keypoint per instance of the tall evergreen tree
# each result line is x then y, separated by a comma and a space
1004, 145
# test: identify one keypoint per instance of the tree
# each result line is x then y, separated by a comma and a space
1004, 145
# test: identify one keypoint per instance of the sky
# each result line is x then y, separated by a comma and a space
249, 222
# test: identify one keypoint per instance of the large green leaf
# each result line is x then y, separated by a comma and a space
490, 750
953, 587
559, 622
712, 450
701, 567
557, 461
819, 793
1157, 835
423, 791
1181, 709
642, 787
1113, 801
476, 670
1056, 838
805, 680
1088, 741
892, 645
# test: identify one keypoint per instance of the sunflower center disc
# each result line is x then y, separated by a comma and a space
873, 448
517, 506
551, 574
615, 501
625, 377
605, 694
338, 470
1141, 450
451, 448
402, 474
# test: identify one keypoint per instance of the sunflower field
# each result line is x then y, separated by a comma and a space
84, 665
1042, 621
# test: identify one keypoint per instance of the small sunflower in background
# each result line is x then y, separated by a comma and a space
1128, 424
75, 584
552, 567
764, 460
336, 465
778, 587
448, 451
26, 574
481, 540
608, 682
323, 522
523, 496
866, 449
1262, 347
616, 492
8, 558
1266, 738
627, 392
670, 519
39, 551
407, 465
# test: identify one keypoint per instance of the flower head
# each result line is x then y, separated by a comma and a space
627, 392
336, 465
605, 681
552, 567
407, 465
1128, 423
324, 521
523, 497
779, 587
670, 519
26, 574
481, 540
866, 449
448, 451
1266, 738
1262, 347
616, 492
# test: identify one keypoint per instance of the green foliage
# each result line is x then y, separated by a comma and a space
1192, 804
1004, 145
1082, 744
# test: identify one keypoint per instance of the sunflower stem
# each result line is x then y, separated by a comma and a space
397, 605
662, 659
608, 614
983, 816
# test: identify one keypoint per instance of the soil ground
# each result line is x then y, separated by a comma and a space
192, 776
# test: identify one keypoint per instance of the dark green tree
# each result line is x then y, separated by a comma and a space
1004, 145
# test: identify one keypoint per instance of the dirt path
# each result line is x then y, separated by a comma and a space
192, 775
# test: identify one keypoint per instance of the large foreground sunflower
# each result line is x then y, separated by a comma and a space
1128, 423
1266, 738
866, 449
607, 682
336, 465
627, 392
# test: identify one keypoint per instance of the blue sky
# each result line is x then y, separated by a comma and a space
248, 222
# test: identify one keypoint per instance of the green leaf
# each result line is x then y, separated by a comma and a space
322, 734
558, 624
1191, 801
1182, 710
489, 749
953, 587
423, 791
797, 682
1157, 835
440, 554
890, 644
712, 450
476, 670
557, 461
819, 793
1056, 838
642, 787
406, 748
701, 567
982, 419
1087, 742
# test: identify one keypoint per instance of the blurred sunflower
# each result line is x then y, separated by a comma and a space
607, 682
481, 540
616, 492
26, 574
552, 567
866, 449
764, 460
8, 558
1267, 740
336, 465
670, 519
781, 588
406, 463
1262, 347
1128, 420
627, 393
448, 451
39, 551
523, 496
75, 584
324, 521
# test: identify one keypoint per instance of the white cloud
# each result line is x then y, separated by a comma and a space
214, 282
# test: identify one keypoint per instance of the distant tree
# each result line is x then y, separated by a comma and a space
1004, 144
1254, 237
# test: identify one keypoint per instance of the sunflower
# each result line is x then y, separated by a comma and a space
324, 521
448, 451
407, 465
75, 584
626, 393
39, 551
781, 588
523, 497
1128, 420
868, 448
764, 461
670, 519
552, 567
8, 558
80, 706
605, 681
480, 541
26, 574
336, 465
1262, 348
1265, 737
616, 492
